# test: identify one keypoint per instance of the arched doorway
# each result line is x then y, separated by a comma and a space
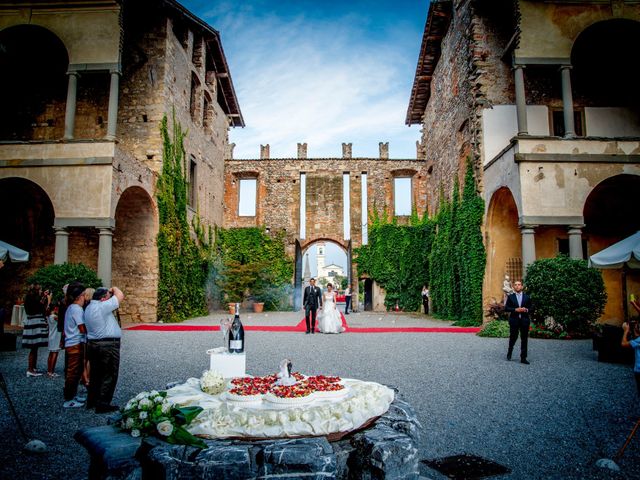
326, 260
606, 64
504, 245
135, 255
611, 214
33, 84
26, 221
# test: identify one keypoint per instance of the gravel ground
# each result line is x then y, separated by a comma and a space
551, 419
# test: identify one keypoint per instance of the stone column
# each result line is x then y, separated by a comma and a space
383, 149
264, 152
104, 255
70, 112
112, 115
567, 102
521, 100
528, 245
575, 241
61, 254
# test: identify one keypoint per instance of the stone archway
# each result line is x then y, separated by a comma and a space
611, 214
135, 255
33, 84
301, 249
503, 242
26, 221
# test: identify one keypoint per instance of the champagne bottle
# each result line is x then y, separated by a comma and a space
236, 334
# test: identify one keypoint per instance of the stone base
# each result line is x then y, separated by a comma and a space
386, 450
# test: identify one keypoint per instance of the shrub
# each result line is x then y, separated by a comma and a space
496, 329
54, 277
496, 311
568, 291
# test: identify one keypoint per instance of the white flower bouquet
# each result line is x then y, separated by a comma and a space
150, 413
212, 382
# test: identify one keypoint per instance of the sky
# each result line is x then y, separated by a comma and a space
321, 72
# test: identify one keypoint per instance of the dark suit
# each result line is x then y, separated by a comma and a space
518, 322
311, 300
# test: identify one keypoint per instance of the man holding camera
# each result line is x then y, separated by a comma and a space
103, 335
635, 344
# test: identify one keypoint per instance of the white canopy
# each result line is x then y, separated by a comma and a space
14, 253
626, 251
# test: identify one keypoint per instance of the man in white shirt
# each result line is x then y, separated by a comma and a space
103, 335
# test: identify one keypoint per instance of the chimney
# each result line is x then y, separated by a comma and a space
264, 152
302, 150
346, 150
384, 150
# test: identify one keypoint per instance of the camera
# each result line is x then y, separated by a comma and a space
633, 329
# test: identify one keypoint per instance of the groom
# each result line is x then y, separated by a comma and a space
312, 300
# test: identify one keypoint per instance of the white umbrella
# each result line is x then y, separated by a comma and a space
14, 253
625, 252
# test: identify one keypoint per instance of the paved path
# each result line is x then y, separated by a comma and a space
551, 419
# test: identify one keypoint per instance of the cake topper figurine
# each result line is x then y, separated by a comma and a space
284, 375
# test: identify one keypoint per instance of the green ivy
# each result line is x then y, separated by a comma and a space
446, 253
254, 264
397, 258
184, 255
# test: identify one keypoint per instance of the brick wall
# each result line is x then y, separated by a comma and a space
469, 77
278, 197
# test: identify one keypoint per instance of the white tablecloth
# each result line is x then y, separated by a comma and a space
17, 315
222, 419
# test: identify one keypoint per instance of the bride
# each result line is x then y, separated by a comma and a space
330, 320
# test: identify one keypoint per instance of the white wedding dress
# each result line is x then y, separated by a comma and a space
329, 319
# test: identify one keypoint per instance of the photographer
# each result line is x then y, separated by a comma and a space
635, 344
104, 336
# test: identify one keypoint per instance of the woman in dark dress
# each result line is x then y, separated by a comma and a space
36, 330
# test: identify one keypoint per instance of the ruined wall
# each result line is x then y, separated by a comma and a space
278, 194
448, 119
469, 77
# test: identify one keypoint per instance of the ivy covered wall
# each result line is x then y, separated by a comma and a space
446, 253
184, 251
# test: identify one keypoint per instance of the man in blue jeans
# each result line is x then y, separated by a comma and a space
635, 344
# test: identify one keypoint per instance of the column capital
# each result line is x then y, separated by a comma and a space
61, 231
528, 228
116, 71
73, 73
565, 67
105, 231
578, 228
518, 66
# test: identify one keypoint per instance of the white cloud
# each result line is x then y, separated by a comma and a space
313, 81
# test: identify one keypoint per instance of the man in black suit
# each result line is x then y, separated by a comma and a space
312, 300
519, 306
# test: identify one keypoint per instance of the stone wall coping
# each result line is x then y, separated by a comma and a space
341, 159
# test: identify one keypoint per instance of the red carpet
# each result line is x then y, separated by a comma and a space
301, 327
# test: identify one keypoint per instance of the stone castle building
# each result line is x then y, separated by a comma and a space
541, 96
315, 200
85, 85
